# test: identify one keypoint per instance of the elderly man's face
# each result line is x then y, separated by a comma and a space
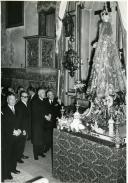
11, 100
41, 93
50, 95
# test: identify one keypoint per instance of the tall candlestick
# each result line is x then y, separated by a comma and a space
77, 106
78, 76
58, 86
117, 134
62, 112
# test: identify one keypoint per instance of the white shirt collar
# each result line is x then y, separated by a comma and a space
24, 103
40, 98
32, 95
11, 107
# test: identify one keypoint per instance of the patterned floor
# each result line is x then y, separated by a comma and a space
32, 168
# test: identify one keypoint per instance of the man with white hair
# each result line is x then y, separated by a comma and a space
53, 106
12, 133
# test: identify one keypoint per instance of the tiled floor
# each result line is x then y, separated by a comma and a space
32, 168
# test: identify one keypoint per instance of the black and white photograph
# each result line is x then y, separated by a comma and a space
63, 91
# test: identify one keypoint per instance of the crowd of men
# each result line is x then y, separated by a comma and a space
26, 115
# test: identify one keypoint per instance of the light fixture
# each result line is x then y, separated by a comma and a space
68, 25
71, 61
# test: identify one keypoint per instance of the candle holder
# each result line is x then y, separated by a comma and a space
118, 139
77, 107
62, 112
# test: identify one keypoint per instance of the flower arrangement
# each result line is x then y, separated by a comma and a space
79, 86
118, 109
106, 107
96, 117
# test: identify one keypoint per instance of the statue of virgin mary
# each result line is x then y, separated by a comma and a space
107, 75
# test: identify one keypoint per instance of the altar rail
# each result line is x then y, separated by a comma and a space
80, 159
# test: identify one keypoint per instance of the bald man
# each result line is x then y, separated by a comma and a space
39, 116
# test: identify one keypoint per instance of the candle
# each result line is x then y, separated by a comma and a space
58, 87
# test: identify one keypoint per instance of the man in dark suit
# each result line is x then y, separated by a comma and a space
39, 115
32, 93
3, 150
23, 116
32, 96
12, 133
54, 106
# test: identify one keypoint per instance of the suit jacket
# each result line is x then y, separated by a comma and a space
10, 121
23, 115
38, 112
54, 110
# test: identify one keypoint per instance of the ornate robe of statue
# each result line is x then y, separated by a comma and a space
107, 75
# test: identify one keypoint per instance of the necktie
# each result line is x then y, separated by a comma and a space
13, 110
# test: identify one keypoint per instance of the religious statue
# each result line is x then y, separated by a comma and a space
107, 75
107, 80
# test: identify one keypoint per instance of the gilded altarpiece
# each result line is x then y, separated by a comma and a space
40, 52
32, 56
47, 53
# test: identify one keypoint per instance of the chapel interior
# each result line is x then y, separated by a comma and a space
51, 44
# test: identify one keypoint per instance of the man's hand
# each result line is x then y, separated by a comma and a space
48, 117
24, 132
59, 101
94, 45
15, 132
19, 131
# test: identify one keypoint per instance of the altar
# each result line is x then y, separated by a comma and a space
83, 158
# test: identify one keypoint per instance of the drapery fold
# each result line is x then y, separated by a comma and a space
123, 13
60, 13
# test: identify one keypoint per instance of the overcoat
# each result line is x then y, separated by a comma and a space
23, 115
55, 111
10, 123
38, 111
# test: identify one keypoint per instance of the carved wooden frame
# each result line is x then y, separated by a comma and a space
40, 41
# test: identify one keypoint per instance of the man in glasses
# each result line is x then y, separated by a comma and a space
23, 116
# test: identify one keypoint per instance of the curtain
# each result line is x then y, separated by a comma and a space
122, 27
123, 13
60, 13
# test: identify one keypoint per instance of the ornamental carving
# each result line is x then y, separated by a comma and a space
46, 6
40, 52
32, 53
47, 53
